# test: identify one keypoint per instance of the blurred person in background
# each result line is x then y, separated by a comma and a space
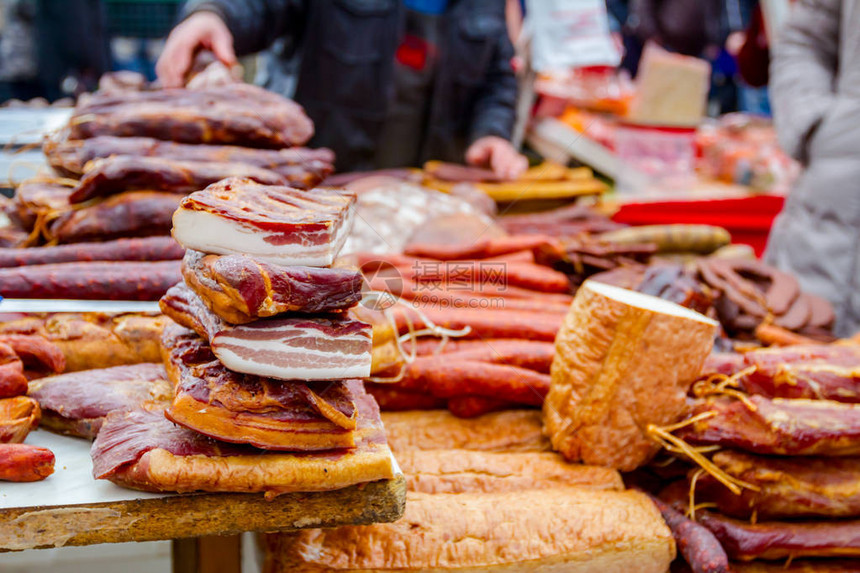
52, 48
387, 83
815, 94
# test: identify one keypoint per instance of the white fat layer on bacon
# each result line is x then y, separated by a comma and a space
276, 358
210, 233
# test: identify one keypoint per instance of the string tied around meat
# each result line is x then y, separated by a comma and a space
430, 329
723, 385
663, 436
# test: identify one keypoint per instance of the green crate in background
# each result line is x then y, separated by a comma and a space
141, 18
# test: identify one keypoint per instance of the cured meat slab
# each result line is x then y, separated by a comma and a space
143, 450
76, 403
274, 224
302, 167
95, 340
39, 197
777, 426
263, 412
119, 173
324, 347
787, 487
240, 289
131, 214
615, 348
237, 114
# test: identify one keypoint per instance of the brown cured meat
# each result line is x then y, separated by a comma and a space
96, 340
755, 287
76, 403
12, 379
249, 409
725, 363
98, 280
475, 406
777, 540
528, 354
392, 399
241, 289
483, 324
24, 463
131, 214
799, 566
700, 549
142, 249
302, 167
238, 114
143, 450
18, 416
119, 173
788, 487
480, 250
38, 354
36, 198
777, 426
445, 378
825, 372
310, 347
276, 224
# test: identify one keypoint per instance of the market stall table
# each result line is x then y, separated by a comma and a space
71, 508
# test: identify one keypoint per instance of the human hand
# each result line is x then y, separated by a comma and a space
499, 155
200, 30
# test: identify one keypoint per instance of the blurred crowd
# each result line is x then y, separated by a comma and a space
55, 49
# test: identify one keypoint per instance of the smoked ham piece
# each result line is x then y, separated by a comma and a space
777, 426
321, 347
18, 416
624, 360
132, 214
76, 403
96, 340
266, 413
236, 114
144, 450
787, 487
278, 225
301, 167
574, 529
240, 289
119, 173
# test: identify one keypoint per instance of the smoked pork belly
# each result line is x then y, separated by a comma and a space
325, 347
76, 403
240, 289
143, 450
275, 224
243, 408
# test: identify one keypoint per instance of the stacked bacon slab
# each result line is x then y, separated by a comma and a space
786, 426
265, 359
126, 160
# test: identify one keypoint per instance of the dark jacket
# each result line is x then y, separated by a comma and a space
347, 49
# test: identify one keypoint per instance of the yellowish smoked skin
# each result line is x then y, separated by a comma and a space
618, 368
548, 531
465, 471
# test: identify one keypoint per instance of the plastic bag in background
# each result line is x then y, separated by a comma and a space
569, 34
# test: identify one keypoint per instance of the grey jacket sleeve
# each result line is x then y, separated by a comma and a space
495, 108
254, 24
802, 72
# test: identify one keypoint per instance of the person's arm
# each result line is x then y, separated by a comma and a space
254, 24
802, 72
225, 27
493, 117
